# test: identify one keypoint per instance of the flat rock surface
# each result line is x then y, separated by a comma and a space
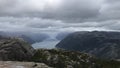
15, 64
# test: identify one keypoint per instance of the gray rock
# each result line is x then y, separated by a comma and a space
11, 64
15, 49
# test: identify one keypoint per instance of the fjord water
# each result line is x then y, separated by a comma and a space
48, 43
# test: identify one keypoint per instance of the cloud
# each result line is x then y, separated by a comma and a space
51, 9
47, 25
59, 15
110, 10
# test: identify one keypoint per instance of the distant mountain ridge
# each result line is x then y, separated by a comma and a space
62, 35
99, 43
16, 49
29, 37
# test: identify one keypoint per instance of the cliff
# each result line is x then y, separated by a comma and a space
99, 43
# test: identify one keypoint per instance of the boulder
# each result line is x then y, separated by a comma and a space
15, 49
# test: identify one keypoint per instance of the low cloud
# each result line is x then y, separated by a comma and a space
59, 15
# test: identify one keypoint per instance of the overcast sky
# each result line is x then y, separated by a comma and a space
59, 15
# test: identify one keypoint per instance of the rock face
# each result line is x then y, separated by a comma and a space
11, 64
15, 49
102, 44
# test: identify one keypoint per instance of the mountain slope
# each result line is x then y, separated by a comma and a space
101, 44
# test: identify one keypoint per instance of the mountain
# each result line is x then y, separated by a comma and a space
62, 35
27, 36
38, 37
13, 49
99, 43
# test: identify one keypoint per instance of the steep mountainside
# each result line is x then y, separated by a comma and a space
62, 35
102, 44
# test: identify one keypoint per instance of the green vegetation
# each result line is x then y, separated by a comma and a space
102, 44
69, 59
19, 50
107, 64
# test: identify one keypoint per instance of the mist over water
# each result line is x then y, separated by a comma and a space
39, 39
49, 43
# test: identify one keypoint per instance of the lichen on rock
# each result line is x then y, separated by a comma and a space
15, 50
